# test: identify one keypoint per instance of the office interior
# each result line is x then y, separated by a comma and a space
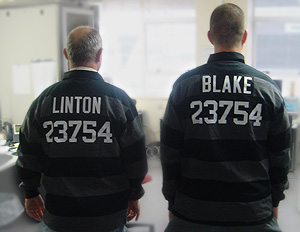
147, 45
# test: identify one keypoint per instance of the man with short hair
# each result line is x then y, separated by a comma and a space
85, 137
225, 140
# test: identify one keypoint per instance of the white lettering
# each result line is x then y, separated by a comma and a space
76, 104
60, 132
86, 105
247, 84
54, 110
206, 84
96, 105
69, 105
215, 90
62, 100
236, 84
226, 85
211, 112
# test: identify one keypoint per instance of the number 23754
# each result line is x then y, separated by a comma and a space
240, 112
86, 128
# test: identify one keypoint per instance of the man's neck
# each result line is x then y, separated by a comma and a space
222, 49
83, 68
89, 66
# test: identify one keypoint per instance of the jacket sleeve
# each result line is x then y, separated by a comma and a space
30, 163
279, 154
171, 144
133, 152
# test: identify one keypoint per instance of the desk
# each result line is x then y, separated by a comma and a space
7, 159
8, 173
10, 199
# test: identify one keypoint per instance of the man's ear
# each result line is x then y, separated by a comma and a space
244, 37
209, 38
99, 55
65, 53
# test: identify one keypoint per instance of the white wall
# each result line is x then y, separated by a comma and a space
154, 109
27, 34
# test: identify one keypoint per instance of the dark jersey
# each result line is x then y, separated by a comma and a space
225, 144
86, 138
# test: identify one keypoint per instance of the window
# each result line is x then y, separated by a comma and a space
277, 45
276, 39
277, 35
276, 3
147, 44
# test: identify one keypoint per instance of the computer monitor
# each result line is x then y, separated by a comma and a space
292, 105
17, 128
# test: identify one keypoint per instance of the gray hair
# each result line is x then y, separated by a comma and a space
84, 48
227, 25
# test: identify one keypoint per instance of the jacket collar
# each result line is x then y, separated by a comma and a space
82, 74
226, 56
83, 68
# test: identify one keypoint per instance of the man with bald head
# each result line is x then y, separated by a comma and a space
225, 140
84, 137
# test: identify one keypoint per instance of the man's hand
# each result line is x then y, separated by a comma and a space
133, 210
275, 212
35, 207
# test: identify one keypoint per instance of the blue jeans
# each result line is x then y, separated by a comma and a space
45, 228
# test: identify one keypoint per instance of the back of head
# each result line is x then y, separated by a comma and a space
227, 25
83, 44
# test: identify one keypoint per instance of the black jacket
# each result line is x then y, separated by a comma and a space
225, 144
84, 135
